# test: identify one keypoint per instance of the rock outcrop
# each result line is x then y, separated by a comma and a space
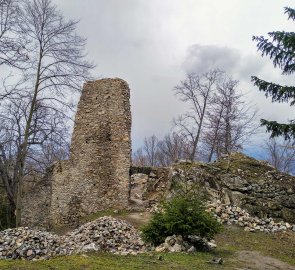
241, 181
148, 184
244, 182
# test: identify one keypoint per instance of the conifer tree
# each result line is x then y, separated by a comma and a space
280, 48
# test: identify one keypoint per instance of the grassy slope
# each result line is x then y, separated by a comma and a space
280, 245
107, 261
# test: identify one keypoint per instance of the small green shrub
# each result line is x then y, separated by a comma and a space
182, 215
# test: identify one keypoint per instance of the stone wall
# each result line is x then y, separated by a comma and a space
148, 185
37, 201
96, 177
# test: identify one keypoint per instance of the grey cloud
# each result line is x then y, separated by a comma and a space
201, 58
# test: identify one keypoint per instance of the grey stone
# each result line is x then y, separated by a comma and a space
90, 247
176, 248
191, 249
216, 261
170, 240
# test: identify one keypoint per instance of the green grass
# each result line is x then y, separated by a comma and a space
108, 261
252, 168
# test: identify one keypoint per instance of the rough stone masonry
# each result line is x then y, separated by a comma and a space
96, 176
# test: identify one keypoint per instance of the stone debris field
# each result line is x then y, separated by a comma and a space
108, 234
229, 215
104, 234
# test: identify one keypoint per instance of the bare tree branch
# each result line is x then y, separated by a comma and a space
197, 91
35, 114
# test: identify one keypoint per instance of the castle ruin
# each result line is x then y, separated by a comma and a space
96, 176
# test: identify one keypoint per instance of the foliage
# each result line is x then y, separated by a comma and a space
280, 48
182, 215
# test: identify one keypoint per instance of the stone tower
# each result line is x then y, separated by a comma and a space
96, 177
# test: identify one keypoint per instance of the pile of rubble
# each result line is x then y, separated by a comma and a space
22, 243
104, 234
176, 243
228, 214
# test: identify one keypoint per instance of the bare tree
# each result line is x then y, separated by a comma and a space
11, 45
138, 158
39, 159
150, 148
164, 152
196, 90
231, 120
212, 136
172, 148
54, 71
47, 130
280, 154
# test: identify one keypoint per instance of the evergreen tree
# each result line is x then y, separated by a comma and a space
280, 48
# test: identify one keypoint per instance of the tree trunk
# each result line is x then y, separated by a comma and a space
215, 136
10, 214
24, 147
196, 141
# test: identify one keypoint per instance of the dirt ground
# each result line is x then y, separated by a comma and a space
253, 260
138, 219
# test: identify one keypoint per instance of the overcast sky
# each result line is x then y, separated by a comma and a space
152, 44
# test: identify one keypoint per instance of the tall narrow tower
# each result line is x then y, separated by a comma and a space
96, 177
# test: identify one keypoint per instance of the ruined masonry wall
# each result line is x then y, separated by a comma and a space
96, 177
